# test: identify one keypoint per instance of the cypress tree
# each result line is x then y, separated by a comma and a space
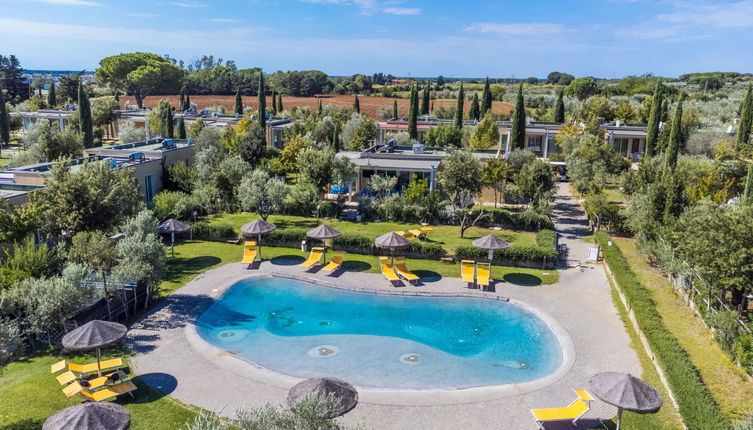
559, 108
169, 130
238, 102
413, 114
746, 120
181, 103
320, 111
279, 104
262, 104
459, 108
356, 105
181, 128
85, 117
336, 137
747, 199
394, 109
675, 137
475, 112
425, 100
654, 117
486, 98
188, 102
52, 100
4, 120
117, 96
274, 102
518, 132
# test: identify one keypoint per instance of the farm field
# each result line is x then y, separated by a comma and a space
369, 105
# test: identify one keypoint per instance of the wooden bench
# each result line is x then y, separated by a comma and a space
235, 241
448, 259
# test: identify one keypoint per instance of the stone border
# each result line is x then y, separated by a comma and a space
444, 396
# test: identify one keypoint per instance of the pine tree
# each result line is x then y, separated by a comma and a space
747, 198
394, 109
238, 103
274, 102
413, 114
425, 100
4, 120
559, 108
675, 137
746, 120
279, 104
475, 112
85, 117
262, 103
486, 98
181, 128
356, 105
459, 108
518, 132
52, 100
654, 117
182, 102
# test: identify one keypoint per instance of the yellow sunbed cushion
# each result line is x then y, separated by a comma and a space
107, 393
313, 258
402, 270
57, 367
467, 271
389, 273
336, 262
250, 243
575, 410
249, 255
583, 394
427, 229
483, 274
92, 367
66, 378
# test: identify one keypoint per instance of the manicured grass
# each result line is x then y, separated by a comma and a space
194, 257
729, 385
30, 394
446, 235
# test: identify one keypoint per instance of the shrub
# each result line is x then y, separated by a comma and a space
205, 231
697, 406
429, 251
529, 220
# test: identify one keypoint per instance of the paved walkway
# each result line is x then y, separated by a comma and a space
172, 357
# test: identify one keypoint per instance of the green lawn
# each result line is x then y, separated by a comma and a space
446, 235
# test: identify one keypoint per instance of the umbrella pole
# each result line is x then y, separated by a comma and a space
619, 417
172, 243
258, 245
491, 256
99, 367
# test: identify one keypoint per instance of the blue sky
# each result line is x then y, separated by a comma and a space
603, 38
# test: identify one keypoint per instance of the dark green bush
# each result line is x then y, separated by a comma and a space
526, 220
698, 408
352, 240
429, 251
205, 231
547, 239
287, 236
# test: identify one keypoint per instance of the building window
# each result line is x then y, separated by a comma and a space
535, 143
621, 145
551, 145
149, 188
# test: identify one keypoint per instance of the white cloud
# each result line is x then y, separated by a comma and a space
70, 2
224, 20
532, 28
402, 11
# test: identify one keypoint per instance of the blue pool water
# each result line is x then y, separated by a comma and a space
304, 330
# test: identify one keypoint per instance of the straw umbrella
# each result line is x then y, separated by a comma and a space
392, 241
94, 335
491, 242
257, 227
323, 233
173, 226
90, 416
626, 392
341, 390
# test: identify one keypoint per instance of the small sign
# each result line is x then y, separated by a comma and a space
593, 254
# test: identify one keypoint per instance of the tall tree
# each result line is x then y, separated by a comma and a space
459, 108
140, 74
262, 103
746, 120
238, 103
413, 114
169, 123
475, 111
52, 100
559, 108
394, 109
518, 132
675, 137
654, 118
425, 100
279, 104
274, 102
4, 120
356, 105
188, 102
486, 98
336, 137
181, 128
747, 199
320, 110
85, 117
11, 78
181, 103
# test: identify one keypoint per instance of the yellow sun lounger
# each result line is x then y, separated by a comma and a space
77, 387
314, 257
484, 271
86, 368
110, 392
408, 236
420, 234
571, 413
468, 271
249, 253
387, 270
335, 264
402, 269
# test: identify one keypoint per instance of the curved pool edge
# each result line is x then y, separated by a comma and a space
429, 397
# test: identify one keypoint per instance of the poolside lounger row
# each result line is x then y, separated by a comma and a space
393, 273
86, 368
475, 274
77, 387
572, 412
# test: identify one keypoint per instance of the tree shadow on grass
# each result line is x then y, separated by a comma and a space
176, 267
356, 266
427, 275
523, 279
26, 424
287, 260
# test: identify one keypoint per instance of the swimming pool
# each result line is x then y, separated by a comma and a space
380, 341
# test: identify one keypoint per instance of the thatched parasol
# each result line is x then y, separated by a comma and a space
94, 335
257, 227
491, 242
626, 392
392, 241
90, 416
173, 226
324, 233
340, 390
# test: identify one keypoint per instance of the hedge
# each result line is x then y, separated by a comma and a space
697, 406
526, 220
544, 253
205, 231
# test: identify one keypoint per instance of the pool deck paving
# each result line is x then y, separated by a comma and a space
170, 356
